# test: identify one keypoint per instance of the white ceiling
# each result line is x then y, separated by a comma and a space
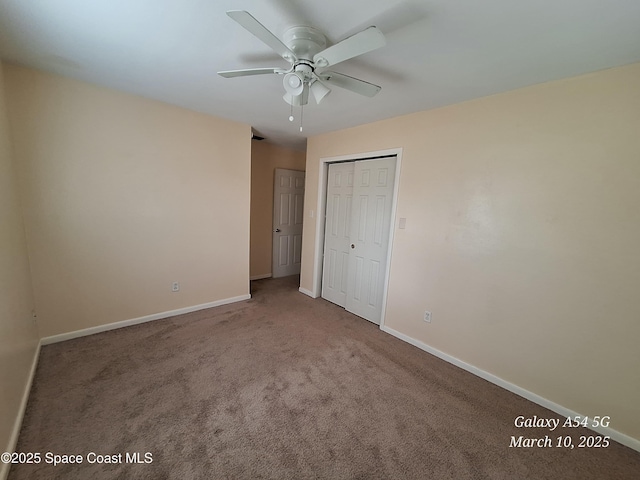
438, 52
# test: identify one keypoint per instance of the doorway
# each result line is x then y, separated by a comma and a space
355, 235
288, 213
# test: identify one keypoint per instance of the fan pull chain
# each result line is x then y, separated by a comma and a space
301, 115
291, 114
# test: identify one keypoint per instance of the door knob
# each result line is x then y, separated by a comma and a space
353, 246
277, 230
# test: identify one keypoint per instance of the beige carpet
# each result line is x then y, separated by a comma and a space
282, 387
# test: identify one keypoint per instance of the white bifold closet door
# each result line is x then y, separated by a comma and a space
358, 219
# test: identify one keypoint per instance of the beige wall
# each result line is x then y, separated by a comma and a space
121, 197
522, 236
265, 158
18, 334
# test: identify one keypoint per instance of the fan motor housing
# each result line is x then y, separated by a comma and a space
304, 41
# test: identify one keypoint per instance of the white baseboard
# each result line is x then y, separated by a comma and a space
134, 321
307, 292
260, 277
559, 409
17, 425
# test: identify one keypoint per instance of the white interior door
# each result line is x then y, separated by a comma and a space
337, 231
288, 198
370, 227
358, 222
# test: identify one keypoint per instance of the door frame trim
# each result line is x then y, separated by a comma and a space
322, 205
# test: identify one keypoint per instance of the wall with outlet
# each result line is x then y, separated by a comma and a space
521, 236
18, 332
122, 196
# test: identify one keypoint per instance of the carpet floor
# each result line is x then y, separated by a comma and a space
282, 386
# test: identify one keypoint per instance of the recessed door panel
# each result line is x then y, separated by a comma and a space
374, 277
362, 216
331, 272
379, 225
283, 250
335, 215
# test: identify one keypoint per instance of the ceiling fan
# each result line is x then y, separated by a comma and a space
305, 48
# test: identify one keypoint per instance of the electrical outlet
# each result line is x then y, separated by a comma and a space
175, 287
427, 316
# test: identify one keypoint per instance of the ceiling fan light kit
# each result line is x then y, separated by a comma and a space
297, 100
319, 90
293, 83
305, 48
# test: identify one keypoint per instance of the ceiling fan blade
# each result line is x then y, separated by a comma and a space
249, 71
246, 20
350, 83
365, 41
